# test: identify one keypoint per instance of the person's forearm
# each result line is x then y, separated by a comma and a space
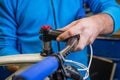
104, 21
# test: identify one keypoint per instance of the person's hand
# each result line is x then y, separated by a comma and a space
12, 68
88, 29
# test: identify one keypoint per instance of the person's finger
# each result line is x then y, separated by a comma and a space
69, 33
83, 41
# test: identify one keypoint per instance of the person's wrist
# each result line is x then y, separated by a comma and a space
104, 22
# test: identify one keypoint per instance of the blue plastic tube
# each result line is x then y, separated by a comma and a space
40, 70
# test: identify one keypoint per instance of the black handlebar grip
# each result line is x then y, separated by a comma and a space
54, 33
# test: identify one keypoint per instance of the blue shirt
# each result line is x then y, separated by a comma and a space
21, 20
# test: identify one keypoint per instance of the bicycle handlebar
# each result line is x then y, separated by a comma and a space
20, 59
40, 70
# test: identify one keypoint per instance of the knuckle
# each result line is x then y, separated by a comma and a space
90, 41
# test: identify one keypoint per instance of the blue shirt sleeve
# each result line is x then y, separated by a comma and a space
8, 26
109, 7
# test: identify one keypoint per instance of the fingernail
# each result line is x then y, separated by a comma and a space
58, 39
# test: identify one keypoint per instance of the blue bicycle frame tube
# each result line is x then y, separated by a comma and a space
40, 70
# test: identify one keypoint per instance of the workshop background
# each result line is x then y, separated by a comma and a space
106, 60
